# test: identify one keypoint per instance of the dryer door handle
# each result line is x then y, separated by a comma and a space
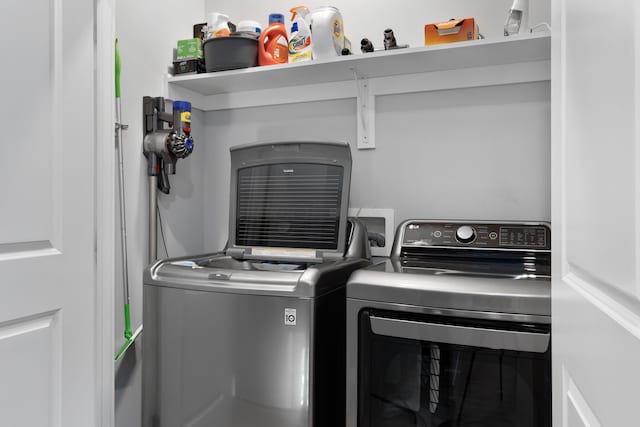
461, 335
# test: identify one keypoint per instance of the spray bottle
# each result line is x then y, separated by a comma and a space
300, 37
517, 18
217, 25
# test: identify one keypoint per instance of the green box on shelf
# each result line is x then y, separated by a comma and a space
189, 48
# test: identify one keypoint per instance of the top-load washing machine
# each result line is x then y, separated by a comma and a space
255, 335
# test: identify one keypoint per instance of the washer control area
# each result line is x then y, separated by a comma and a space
486, 235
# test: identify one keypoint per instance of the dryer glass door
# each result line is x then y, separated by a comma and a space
436, 371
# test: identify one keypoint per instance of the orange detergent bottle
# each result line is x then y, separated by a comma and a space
273, 45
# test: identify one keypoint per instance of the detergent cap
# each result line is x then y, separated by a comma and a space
276, 17
522, 5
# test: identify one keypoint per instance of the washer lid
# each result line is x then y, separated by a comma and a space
289, 200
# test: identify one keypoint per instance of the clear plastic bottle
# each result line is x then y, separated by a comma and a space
518, 18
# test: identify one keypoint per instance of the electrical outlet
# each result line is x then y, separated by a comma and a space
380, 222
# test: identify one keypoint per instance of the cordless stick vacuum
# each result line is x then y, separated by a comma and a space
162, 148
129, 335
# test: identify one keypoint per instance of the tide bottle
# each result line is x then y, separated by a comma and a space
300, 36
273, 45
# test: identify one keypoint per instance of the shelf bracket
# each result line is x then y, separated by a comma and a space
366, 105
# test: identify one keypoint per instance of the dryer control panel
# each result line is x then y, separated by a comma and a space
534, 236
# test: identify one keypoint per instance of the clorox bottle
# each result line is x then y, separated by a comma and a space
327, 32
300, 37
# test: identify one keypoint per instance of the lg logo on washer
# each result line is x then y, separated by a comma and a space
290, 316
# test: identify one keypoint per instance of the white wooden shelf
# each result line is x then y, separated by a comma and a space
507, 60
470, 54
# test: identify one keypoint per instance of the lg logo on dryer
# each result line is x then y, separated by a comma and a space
290, 316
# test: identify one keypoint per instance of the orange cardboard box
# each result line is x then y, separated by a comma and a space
455, 30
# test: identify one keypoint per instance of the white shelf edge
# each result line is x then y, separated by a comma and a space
276, 96
373, 65
408, 83
522, 72
463, 66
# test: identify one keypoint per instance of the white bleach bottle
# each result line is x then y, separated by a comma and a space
327, 32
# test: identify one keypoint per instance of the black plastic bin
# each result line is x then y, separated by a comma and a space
238, 50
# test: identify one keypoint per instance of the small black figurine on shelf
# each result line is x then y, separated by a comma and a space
390, 41
366, 45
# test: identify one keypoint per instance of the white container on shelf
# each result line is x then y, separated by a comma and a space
247, 26
327, 32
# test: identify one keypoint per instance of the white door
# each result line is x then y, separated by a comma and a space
47, 214
596, 212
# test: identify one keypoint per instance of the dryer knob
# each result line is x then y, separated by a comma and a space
465, 234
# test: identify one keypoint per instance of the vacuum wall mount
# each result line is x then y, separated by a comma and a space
163, 146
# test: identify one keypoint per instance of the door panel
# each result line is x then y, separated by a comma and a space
577, 411
600, 142
595, 215
47, 232
30, 349
27, 119
602, 363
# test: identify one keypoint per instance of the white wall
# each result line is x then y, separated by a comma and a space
479, 153
407, 18
147, 32
476, 153
473, 153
